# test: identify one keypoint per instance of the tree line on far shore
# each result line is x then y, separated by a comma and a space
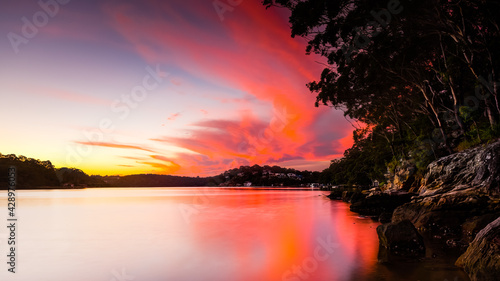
34, 173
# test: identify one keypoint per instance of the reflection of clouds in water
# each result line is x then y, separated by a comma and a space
253, 233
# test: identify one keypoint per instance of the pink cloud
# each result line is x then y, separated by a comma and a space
253, 52
114, 145
170, 168
174, 116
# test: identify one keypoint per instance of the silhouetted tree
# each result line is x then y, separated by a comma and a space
409, 71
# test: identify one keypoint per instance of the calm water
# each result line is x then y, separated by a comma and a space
159, 234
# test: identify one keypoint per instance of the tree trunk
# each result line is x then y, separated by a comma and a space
438, 120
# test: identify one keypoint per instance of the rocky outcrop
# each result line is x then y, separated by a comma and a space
458, 196
476, 170
399, 241
482, 259
459, 188
457, 199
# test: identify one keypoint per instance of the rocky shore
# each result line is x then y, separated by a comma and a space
456, 201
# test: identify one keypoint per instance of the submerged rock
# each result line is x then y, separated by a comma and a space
482, 259
399, 241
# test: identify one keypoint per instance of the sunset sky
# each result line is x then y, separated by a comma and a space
168, 87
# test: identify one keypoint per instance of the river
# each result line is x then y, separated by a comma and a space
177, 234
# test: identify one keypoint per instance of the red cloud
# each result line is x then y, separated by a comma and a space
219, 145
253, 52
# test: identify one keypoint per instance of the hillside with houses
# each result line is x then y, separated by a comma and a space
266, 176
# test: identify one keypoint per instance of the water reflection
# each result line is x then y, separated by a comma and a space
192, 234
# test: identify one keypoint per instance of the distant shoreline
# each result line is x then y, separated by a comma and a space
224, 187
43, 188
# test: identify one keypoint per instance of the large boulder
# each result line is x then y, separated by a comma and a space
477, 169
482, 259
462, 187
399, 241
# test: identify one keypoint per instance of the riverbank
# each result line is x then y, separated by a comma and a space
456, 199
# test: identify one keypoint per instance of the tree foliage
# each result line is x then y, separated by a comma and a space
422, 76
29, 172
265, 176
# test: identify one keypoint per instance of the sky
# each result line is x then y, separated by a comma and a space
167, 87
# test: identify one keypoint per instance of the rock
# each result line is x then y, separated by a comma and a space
473, 225
385, 217
346, 196
377, 204
444, 215
477, 168
403, 176
399, 241
356, 196
335, 194
482, 259
462, 187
